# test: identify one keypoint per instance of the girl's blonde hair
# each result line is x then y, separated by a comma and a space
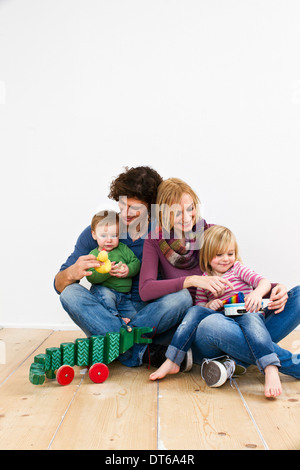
169, 194
217, 239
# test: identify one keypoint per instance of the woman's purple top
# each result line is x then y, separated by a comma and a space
154, 262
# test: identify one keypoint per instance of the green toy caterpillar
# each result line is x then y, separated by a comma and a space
94, 352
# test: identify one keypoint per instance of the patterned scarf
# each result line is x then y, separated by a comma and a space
183, 254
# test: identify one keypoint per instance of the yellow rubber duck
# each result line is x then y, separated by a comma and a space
103, 258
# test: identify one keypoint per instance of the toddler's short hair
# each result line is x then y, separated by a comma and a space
108, 217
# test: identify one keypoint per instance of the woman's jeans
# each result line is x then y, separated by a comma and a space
217, 335
85, 309
252, 325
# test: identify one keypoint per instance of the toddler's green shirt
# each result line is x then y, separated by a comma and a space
121, 253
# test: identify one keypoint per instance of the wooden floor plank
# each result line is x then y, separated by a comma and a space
129, 411
194, 416
30, 414
19, 343
119, 414
277, 418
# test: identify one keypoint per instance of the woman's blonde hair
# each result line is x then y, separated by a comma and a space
217, 239
169, 195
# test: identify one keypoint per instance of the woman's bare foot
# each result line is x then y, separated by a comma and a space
272, 382
168, 367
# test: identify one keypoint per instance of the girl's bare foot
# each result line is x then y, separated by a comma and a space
272, 382
168, 367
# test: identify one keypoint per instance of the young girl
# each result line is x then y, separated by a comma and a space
219, 257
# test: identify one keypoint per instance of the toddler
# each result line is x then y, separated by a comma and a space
219, 257
113, 288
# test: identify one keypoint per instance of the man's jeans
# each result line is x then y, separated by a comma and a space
93, 318
218, 335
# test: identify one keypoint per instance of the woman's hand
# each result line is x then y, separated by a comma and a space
278, 298
215, 284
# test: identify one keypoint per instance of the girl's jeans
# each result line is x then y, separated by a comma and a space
217, 335
85, 309
252, 325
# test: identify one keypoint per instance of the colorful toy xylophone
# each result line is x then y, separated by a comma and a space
235, 299
235, 305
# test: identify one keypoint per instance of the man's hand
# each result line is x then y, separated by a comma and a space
278, 298
82, 267
75, 272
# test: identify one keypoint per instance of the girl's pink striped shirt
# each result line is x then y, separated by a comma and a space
243, 279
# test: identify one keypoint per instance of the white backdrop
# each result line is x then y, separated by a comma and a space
206, 90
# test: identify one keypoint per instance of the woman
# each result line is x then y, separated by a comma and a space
173, 249
135, 190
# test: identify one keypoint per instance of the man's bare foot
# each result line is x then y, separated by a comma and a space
168, 367
272, 382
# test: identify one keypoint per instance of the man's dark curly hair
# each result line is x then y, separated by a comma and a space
140, 183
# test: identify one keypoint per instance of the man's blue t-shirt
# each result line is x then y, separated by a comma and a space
85, 244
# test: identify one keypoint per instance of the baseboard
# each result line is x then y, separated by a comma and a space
43, 326
53, 326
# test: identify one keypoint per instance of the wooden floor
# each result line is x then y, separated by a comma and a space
129, 412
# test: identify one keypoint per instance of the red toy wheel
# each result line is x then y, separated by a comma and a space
98, 372
65, 375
